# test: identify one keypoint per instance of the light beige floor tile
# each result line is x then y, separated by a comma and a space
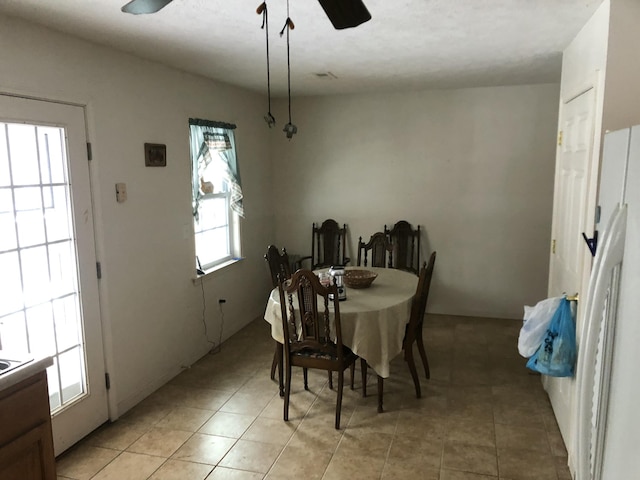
130, 466
479, 396
515, 414
562, 468
471, 432
299, 463
415, 424
251, 456
268, 430
470, 458
520, 437
299, 404
321, 437
204, 449
117, 435
206, 398
518, 464
221, 473
354, 468
247, 403
160, 442
84, 461
421, 451
147, 412
413, 472
185, 418
224, 424
456, 475
179, 470
356, 442
367, 419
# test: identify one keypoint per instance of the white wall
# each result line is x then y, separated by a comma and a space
622, 91
473, 167
151, 309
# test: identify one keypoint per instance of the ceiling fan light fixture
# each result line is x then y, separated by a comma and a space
269, 119
290, 129
345, 13
142, 7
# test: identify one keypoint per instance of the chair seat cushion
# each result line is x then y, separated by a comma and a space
325, 355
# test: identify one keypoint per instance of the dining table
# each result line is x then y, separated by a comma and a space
373, 319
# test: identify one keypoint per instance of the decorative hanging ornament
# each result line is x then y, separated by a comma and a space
262, 10
290, 129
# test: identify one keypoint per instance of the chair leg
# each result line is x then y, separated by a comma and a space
305, 374
380, 391
287, 392
339, 400
352, 369
274, 363
330, 379
363, 369
408, 356
423, 355
280, 354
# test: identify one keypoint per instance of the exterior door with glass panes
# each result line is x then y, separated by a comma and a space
48, 284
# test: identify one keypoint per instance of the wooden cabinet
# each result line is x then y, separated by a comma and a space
26, 442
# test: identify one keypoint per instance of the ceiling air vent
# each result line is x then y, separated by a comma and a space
326, 76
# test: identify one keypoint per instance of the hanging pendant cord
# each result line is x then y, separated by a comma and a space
265, 26
288, 25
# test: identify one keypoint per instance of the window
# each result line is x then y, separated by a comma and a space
216, 192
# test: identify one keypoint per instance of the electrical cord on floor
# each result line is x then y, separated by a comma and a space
216, 349
204, 318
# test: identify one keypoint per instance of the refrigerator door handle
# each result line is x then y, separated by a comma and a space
608, 258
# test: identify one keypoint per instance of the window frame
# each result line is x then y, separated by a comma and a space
232, 225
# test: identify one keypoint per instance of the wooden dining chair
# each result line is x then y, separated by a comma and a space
380, 248
413, 333
406, 246
328, 245
311, 339
279, 266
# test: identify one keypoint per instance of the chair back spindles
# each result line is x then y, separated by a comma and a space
406, 246
312, 331
380, 248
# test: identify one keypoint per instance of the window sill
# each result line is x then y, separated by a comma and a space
214, 271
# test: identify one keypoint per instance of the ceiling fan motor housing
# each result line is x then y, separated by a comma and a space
345, 13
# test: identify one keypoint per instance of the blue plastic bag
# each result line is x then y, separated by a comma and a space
557, 354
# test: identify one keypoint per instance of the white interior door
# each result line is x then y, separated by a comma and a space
573, 213
48, 261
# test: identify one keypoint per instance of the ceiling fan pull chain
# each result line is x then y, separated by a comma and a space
262, 9
290, 129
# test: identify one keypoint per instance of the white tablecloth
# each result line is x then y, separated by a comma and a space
373, 319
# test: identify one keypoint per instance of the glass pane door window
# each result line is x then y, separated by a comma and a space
40, 307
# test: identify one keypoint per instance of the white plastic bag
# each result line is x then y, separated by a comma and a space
536, 322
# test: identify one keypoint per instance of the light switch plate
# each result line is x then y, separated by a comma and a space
121, 192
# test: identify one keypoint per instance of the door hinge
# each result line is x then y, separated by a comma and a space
107, 380
597, 215
560, 138
99, 269
89, 153
553, 246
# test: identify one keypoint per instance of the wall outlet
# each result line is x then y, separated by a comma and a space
121, 192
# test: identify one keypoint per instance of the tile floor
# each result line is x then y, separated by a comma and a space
482, 416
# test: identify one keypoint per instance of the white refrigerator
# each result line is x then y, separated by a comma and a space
608, 369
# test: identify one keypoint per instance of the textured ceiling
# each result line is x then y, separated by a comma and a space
408, 44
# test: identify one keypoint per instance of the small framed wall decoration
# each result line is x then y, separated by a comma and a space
155, 155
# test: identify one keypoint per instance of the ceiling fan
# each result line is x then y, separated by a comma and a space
342, 13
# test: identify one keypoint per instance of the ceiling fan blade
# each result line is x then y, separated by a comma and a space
345, 13
138, 7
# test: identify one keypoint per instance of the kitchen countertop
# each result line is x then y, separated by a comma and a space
24, 371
